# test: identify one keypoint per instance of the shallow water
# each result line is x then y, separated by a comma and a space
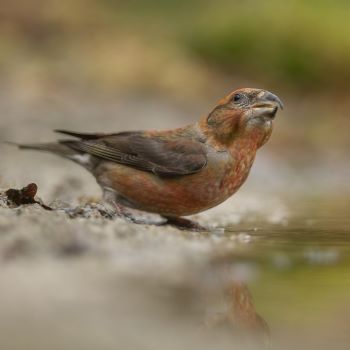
298, 272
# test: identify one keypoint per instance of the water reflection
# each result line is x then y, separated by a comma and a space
301, 279
240, 318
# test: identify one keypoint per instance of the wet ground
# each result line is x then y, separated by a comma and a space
274, 271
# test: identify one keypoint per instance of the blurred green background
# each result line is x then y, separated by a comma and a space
300, 46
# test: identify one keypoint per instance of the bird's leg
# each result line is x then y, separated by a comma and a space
138, 216
120, 210
184, 224
133, 215
110, 198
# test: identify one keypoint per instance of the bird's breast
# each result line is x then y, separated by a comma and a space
236, 172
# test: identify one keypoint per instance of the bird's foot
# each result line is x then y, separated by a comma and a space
185, 224
137, 216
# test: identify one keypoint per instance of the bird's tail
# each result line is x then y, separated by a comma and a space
60, 149
52, 147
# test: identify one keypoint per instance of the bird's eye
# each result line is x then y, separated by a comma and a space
237, 97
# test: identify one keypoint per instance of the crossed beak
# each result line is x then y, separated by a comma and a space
266, 104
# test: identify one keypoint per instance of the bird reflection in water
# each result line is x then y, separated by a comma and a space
239, 317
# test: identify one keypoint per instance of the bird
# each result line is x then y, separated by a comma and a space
178, 172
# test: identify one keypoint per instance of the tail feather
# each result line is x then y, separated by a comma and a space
53, 147
62, 149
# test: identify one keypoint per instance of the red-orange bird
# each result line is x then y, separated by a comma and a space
182, 171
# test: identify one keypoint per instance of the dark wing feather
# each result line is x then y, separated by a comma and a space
83, 136
162, 156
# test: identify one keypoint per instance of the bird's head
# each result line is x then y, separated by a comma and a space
245, 111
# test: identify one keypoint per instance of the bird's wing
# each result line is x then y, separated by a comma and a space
164, 156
